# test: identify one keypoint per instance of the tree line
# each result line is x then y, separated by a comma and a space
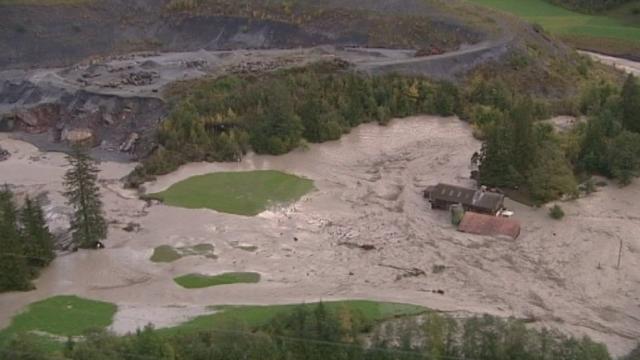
321, 333
589, 6
521, 152
27, 245
222, 119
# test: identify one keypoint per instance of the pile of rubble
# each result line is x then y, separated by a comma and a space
4, 154
139, 78
430, 51
253, 67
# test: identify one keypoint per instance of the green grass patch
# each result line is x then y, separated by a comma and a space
257, 316
198, 281
168, 253
60, 316
617, 26
241, 193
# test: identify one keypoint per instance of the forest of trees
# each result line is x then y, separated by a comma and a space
221, 119
520, 152
318, 333
26, 245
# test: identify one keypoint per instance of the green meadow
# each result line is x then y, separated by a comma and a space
168, 253
254, 317
198, 281
58, 317
242, 193
54, 319
614, 31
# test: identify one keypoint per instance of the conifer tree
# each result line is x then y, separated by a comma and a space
38, 241
88, 224
631, 104
14, 272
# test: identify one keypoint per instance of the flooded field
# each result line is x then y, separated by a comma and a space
368, 196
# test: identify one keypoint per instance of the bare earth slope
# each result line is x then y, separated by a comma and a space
64, 34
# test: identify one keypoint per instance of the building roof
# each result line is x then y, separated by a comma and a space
476, 198
487, 225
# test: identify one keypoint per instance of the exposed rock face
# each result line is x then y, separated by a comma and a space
71, 116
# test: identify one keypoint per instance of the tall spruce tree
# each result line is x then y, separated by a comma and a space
630, 104
38, 241
14, 271
88, 224
496, 157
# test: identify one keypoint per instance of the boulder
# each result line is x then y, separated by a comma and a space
81, 136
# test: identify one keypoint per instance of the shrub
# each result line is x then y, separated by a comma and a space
556, 212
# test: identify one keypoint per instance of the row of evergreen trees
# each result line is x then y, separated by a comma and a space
611, 137
520, 151
321, 333
221, 120
27, 245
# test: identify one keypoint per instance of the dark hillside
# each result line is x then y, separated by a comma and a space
55, 35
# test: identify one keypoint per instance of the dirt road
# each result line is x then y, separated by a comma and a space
625, 65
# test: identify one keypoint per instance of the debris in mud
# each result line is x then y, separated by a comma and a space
140, 78
132, 227
352, 245
4, 154
196, 64
406, 272
260, 66
437, 268
434, 50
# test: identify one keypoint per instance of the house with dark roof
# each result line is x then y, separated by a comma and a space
442, 196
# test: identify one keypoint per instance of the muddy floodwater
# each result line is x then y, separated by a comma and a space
368, 192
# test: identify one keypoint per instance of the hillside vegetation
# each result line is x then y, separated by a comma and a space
345, 330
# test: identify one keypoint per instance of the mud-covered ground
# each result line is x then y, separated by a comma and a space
369, 192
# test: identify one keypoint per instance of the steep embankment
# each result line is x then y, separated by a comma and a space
62, 34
